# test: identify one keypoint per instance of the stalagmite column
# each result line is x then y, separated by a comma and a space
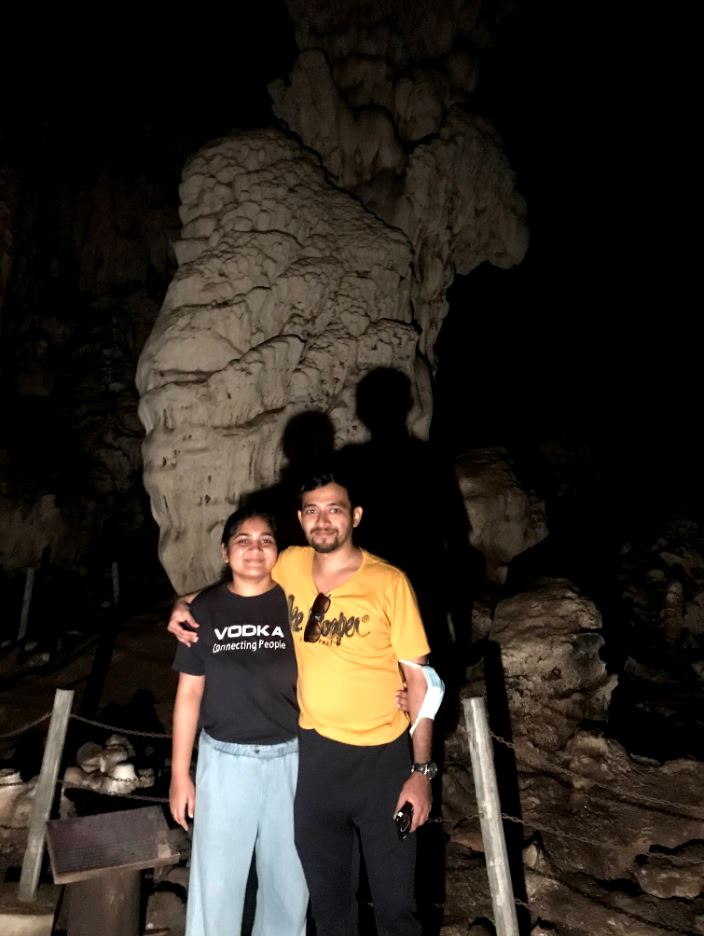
288, 291
314, 253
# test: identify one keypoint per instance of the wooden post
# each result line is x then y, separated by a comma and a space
505, 918
110, 902
115, 585
44, 795
26, 602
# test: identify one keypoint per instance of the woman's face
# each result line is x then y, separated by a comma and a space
251, 551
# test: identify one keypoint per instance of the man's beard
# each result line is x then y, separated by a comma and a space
327, 547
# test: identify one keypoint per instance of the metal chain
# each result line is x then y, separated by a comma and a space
522, 903
137, 796
629, 797
680, 859
19, 731
565, 772
663, 928
140, 796
544, 828
119, 729
503, 741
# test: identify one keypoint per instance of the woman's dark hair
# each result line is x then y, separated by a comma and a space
236, 519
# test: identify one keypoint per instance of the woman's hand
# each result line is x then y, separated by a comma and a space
182, 800
182, 624
402, 699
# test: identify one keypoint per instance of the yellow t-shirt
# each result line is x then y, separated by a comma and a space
347, 680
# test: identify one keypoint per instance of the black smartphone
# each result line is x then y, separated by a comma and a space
403, 820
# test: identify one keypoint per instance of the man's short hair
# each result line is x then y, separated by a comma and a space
330, 475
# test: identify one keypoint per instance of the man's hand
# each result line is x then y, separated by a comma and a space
416, 790
182, 800
180, 615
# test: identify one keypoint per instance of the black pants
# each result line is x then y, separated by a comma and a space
344, 790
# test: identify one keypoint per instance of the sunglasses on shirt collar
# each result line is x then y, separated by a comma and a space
312, 632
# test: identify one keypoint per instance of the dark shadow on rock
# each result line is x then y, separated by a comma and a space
414, 516
307, 442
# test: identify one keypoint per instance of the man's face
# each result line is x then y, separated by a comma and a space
328, 518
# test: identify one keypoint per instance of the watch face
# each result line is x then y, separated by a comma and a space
428, 770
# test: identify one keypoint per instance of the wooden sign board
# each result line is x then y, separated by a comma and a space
88, 846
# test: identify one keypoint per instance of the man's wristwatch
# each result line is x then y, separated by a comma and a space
428, 769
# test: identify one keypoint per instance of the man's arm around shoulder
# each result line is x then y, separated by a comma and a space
182, 624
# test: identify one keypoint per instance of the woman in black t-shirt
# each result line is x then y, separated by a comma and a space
239, 681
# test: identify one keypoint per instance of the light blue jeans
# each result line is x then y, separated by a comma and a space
244, 804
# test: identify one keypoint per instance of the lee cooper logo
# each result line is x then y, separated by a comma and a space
330, 630
248, 630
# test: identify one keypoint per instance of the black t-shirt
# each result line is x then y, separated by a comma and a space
246, 654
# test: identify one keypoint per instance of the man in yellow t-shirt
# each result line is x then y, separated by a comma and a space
354, 619
349, 674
